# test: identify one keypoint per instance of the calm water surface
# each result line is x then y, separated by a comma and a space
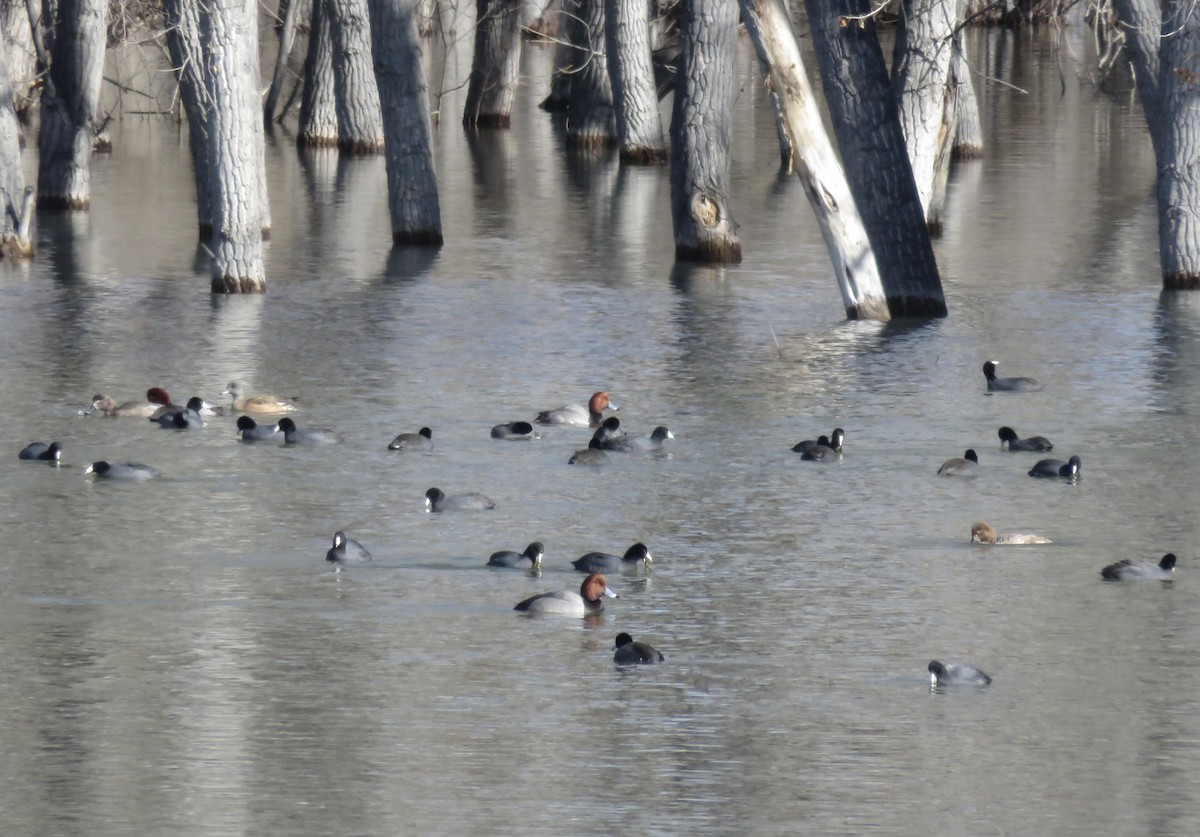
179, 659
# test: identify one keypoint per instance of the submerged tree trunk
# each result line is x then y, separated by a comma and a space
863, 113
968, 130
359, 117
412, 184
16, 201
71, 105
496, 65
631, 71
815, 161
591, 122
229, 40
183, 45
318, 104
21, 53
702, 132
287, 37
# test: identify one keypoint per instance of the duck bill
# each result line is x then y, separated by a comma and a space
88, 411
608, 592
88, 470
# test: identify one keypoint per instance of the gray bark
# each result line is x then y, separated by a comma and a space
814, 160
183, 45
569, 56
318, 126
496, 65
229, 40
968, 129
20, 51
360, 119
15, 242
591, 122
864, 118
287, 37
71, 117
412, 183
631, 71
702, 133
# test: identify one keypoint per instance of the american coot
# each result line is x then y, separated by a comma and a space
995, 384
514, 430
41, 451
122, 470
420, 441
983, 533
252, 431
593, 454
964, 465
1071, 469
600, 562
438, 501
531, 558
578, 414
956, 674
587, 601
629, 652
293, 435
181, 418
608, 432
833, 441
649, 443
1010, 440
264, 404
1128, 569
346, 550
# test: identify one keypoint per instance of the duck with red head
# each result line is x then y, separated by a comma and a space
579, 415
589, 599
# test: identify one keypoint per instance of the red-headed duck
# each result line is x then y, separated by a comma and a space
605, 562
959, 466
956, 674
263, 404
422, 440
346, 550
629, 652
438, 501
578, 414
531, 558
1057, 468
1010, 440
983, 533
995, 384
587, 601
1127, 569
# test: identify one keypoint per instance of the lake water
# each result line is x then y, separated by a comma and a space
178, 658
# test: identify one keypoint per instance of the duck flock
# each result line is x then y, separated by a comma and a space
255, 425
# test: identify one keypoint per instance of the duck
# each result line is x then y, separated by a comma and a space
252, 431
203, 408
964, 465
629, 652
593, 454
1071, 469
438, 501
833, 440
995, 384
1009, 439
421, 440
346, 550
515, 430
578, 414
589, 600
293, 435
531, 558
42, 452
181, 418
983, 533
596, 562
263, 404
122, 470
609, 432
1128, 569
645, 444
129, 409
956, 674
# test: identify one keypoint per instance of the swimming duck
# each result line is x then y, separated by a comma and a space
129, 409
588, 600
578, 414
264, 404
983, 533
629, 652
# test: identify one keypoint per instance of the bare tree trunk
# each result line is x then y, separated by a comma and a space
360, 119
968, 130
702, 132
229, 40
412, 183
815, 161
71, 105
591, 122
15, 200
318, 126
496, 65
569, 56
863, 113
631, 71
21, 52
287, 37
183, 45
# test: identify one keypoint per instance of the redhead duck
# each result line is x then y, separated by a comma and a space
514, 430
578, 414
965, 465
293, 435
956, 674
593, 454
995, 384
252, 431
1057, 468
346, 550
122, 470
832, 441
983, 533
531, 558
40, 451
129, 409
1010, 440
419, 441
438, 501
264, 404
1127, 569
596, 562
629, 652
587, 601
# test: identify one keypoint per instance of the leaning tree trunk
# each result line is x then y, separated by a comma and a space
815, 161
702, 132
590, 119
21, 53
16, 200
496, 65
631, 70
71, 105
183, 45
287, 37
360, 120
229, 40
863, 114
400, 75
968, 129
318, 126
921, 79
